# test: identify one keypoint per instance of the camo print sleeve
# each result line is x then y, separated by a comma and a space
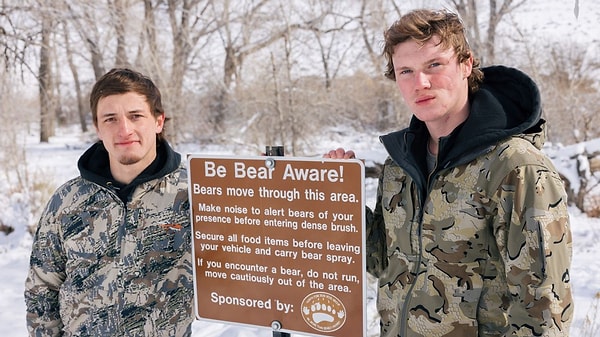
533, 237
375, 236
46, 274
99, 268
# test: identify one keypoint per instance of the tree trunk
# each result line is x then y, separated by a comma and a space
120, 17
45, 84
81, 110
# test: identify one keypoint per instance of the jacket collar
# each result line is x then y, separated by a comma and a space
94, 166
507, 104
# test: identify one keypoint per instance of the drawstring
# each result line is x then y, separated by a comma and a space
113, 186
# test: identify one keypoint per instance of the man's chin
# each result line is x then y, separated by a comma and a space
129, 160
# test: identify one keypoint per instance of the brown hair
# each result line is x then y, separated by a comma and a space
121, 81
421, 25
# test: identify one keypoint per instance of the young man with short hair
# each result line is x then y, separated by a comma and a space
112, 252
470, 234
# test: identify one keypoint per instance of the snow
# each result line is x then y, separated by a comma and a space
57, 160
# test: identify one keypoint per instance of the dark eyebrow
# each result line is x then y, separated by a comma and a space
108, 114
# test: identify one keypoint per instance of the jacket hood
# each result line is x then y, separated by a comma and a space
507, 103
94, 166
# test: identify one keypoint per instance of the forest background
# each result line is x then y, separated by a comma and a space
239, 75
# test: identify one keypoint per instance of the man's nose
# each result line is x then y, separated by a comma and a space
422, 80
124, 126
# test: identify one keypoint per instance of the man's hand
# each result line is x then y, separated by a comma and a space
340, 153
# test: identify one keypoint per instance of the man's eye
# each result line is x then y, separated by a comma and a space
405, 72
434, 64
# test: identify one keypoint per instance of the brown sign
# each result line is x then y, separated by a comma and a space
278, 243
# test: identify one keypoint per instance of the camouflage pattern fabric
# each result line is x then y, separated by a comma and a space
488, 253
100, 268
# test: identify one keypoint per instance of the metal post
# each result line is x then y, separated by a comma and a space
276, 326
276, 151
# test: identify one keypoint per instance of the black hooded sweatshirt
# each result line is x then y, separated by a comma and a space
507, 103
94, 166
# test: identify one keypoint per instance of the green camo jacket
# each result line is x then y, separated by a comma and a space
482, 246
100, 267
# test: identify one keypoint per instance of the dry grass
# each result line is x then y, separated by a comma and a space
591, 325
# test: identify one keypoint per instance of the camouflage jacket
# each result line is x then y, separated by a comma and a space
481, 246
103, 267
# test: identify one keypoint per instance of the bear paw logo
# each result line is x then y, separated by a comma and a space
323, 312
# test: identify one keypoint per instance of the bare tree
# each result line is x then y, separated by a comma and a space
284, 93
148, 35
372, 23
81, 107
119, 14
189, 24
237, 31
238, 35
45, 79
16, 39
84, 18
567, 83
329, 28
311, 46
484, 45
373, 20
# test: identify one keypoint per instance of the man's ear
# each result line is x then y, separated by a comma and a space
160, 123
97, 132
467, 66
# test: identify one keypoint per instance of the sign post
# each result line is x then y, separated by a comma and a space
276, 151
278, 243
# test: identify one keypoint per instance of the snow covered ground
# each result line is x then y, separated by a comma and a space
57, 162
